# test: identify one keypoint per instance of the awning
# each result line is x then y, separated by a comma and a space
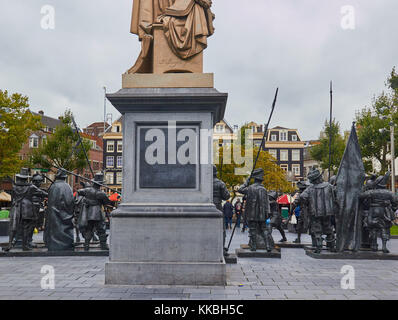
5, 197
285, 199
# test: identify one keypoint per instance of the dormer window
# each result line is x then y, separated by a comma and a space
294, 137
273, 137
283, 136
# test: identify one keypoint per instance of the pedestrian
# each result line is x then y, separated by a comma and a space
238, 212
228, 210
244, 216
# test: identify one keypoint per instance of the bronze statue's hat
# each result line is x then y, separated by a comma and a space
382, 180
302, 185
37, 177
314, 174
258, 173
61, 173
273, 195
24, 174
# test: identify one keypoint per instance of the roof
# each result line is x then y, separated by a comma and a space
48, 121
281, 128
99, 125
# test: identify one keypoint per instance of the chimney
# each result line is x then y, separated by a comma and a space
41, 112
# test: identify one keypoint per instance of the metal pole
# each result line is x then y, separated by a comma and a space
392, 129
330, 127
104, 108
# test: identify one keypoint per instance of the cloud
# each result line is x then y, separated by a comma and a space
296, 45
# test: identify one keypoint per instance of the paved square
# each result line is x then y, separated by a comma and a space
294, 276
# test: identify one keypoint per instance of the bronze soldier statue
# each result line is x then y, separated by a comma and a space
92, 215
380, 205
58, 233
257, 210
303, 221
38, 198
319, 199
22, 213
220, 193
276, 218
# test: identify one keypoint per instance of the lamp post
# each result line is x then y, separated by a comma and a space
392, 129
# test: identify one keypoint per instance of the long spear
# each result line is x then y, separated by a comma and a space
87, 179
258, 153
330, 127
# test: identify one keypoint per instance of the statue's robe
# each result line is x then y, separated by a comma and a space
59, 225
186, 26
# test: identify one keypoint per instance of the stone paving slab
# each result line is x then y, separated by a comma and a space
295, 276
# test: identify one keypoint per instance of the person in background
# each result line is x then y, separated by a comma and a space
228, 210
238, 212
245, 225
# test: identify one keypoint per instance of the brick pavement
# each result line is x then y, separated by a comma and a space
295, 276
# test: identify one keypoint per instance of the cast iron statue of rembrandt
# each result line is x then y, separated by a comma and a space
257, 210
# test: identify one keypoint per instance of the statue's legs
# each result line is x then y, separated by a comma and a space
88, 234
281, 231
12, 234
317, 231
373, 239
253, 235
328, 230
101, 230
264, 232
28, 226
385, 236
300, 224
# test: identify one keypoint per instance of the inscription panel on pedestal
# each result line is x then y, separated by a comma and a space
167, 156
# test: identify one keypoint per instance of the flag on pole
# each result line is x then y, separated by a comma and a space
349, 184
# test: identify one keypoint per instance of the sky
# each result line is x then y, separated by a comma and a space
259, 45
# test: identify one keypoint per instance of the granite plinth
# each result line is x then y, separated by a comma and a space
246, 253
349, 255
293, 245
231, 259
45, 253
168, 80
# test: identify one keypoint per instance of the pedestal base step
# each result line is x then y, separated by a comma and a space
349, 255
231, 259
246, 253
292, 245
43, 252
165, 273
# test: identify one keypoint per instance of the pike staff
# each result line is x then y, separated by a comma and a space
258, 152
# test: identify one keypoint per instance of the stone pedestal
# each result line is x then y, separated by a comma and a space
167, 230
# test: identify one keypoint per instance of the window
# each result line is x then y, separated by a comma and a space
119, 178
295, 155
296, 169
219, 128
284, 167
294, 137
273, 153
284, 155
283, 136
273, 137
119, 162
93, 144
33, 141
96, 165
109, 178
110, 162
110, 146
120, 146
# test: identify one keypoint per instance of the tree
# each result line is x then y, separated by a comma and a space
274, 176
320, 152
374, 124
16, 124
57, 151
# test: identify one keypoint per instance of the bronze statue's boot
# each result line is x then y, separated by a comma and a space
385, 250
25, 246
86, 245
318, 247
313, 240
298, 240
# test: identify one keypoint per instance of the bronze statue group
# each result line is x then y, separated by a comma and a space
64, 212
321, 213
